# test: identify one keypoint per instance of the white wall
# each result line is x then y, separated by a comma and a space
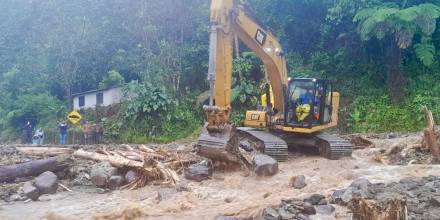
111, 96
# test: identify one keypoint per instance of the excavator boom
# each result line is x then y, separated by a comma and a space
230, 19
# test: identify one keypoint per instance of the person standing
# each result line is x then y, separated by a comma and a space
88, 133
63, 132
27, 130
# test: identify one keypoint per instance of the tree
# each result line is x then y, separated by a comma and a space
400, 26
113, 78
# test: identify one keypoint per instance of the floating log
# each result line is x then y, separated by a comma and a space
9, 173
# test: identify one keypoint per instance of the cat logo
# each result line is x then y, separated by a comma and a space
260, 37
74, 117
255, 117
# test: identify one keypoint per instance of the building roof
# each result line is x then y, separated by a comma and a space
94, 91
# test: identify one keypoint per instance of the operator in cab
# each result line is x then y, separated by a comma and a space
304, 104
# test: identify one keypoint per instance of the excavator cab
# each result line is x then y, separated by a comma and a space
309, 103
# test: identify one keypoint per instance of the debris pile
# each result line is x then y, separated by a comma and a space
410, 198
112, 167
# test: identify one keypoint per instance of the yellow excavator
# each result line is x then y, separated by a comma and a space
294, 112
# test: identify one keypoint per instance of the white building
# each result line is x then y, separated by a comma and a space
101, 97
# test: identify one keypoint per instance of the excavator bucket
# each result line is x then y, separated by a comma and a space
219, 144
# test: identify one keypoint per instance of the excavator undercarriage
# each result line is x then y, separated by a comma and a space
275, 144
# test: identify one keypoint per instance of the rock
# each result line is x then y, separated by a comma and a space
229, 199
31, 191
298, 182
391, 136
267, 194
47, 183
183, 188
285, 215
336, 197
264, 165
309, 209
322, 202
410, 183
432, 215
16, 197
223, 217
314, 199
115, 182
360, 183
165, 194
131, 176
347, 196
45, 198
101, 173
198, 172
302, 217
270, 214
435, 201
325, 209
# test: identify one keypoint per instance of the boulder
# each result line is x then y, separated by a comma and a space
298, 182
223, 217
101, 173
16, 197
336, 197
31, 191
270, 214
115, 182
325, 209
302, 217
47, 183
360, 183
131, 176
314, 199
285, 215
264, 165
198, 172
347, 196
309, 209
435, 201
165, 194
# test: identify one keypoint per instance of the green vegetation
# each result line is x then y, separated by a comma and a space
382, 55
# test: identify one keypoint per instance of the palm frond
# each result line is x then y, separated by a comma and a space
425, 52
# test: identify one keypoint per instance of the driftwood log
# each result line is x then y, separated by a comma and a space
149, 164
115, 160
45, 151
391, 209
431, 136
9, 173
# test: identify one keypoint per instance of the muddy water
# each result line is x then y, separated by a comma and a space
229, 193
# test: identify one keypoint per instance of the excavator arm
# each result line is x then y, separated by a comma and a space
230, 19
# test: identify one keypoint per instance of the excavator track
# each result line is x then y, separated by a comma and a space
333, 147
265, 142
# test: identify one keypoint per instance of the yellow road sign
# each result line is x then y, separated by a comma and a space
74, 117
